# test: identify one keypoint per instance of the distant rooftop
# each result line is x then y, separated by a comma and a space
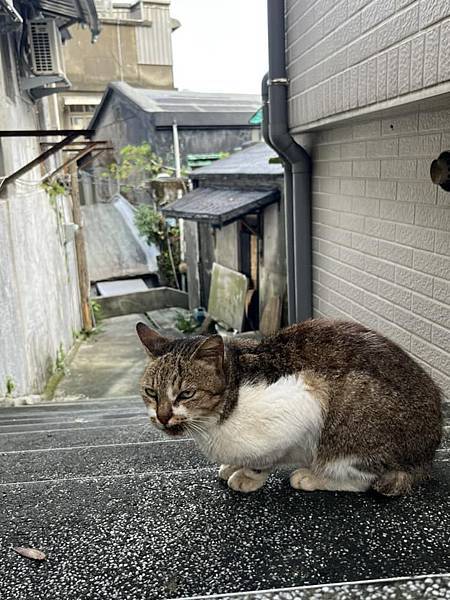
190, 109
253, 160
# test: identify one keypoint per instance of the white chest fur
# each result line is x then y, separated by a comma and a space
271, 424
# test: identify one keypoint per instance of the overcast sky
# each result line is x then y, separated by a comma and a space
221, 45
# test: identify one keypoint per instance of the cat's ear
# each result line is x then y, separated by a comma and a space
210, 351
151, 340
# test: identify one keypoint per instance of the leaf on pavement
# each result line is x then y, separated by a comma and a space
31, 553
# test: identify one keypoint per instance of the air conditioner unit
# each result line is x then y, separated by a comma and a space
45, 48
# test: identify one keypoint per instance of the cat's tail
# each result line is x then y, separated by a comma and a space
398, 483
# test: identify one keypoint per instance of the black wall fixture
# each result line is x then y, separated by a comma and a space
440, 171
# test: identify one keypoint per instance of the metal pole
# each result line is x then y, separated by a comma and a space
176, 152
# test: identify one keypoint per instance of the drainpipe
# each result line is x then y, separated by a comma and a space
288, 215
297, 173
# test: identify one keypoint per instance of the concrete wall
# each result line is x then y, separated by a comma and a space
356, 55
114, 57
381, 232
39, 298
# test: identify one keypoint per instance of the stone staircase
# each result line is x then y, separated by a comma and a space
125, 513
122, 512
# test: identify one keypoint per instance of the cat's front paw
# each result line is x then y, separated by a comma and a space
304, 479
226, 471
247, 480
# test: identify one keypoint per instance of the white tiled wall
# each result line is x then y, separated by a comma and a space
381, 232
345, 55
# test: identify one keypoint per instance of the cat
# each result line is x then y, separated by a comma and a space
343, 404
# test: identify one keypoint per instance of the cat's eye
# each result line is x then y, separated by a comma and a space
150, 392
185, 394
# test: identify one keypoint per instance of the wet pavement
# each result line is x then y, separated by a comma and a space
108, 364
125, 513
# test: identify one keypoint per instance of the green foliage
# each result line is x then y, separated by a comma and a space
137, 164
10, 385
60, 360
152, 225
186, 324
96, 310
54, 188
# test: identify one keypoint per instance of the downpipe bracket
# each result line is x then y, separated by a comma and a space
278, 81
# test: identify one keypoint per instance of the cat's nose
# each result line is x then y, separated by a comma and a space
164, 418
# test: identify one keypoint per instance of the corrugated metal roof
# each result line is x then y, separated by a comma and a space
219, 206
186, 101
82, 11
253, 160
190, 109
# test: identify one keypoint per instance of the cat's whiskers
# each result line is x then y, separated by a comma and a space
195, 429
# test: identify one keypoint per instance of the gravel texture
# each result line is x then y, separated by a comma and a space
143, 521
427, 588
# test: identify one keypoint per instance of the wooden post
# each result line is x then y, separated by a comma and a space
80, 246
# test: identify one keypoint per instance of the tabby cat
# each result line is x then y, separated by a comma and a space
341, 403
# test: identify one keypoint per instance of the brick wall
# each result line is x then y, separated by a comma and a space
346, 55
381, 232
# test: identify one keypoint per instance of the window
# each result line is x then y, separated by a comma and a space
79, 115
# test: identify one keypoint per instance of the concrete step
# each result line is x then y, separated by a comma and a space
97, 433
72, 405
172, 534
147, 517
408, 588
97, 461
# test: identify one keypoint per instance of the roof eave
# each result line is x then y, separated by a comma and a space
84, 11
226, 217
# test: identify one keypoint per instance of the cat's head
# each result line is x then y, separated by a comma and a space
184, 383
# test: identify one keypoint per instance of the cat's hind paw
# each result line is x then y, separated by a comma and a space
226, 471
247, 480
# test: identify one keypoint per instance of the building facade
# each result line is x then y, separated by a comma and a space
368, 96
135, 46
206, 124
